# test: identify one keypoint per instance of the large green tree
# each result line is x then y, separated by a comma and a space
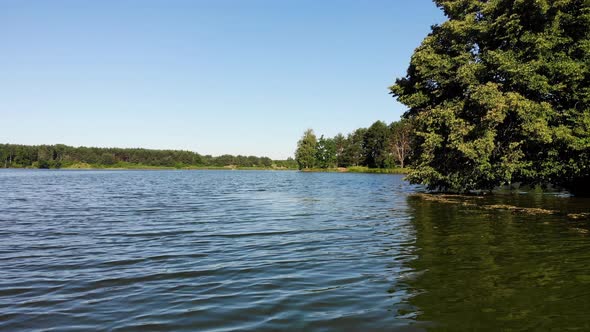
500, 93
353, 153
375, 145
340, 145
305, 155
326, 153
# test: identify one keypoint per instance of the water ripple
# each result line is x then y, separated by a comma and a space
202, 250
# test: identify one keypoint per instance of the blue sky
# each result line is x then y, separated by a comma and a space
217, 76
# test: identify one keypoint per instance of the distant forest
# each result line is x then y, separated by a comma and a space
63, 156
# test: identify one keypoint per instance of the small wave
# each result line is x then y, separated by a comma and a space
131, 261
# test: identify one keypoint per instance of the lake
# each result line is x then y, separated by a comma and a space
280, 250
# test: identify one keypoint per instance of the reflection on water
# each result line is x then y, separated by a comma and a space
482, 269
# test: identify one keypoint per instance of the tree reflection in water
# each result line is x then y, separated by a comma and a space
492, 269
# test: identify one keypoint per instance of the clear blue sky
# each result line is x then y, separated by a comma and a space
216, 76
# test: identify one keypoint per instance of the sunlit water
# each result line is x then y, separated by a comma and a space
261, 250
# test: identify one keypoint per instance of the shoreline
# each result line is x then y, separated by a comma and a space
363, 170
358, 169
156, 168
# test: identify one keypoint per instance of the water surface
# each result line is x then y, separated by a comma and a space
260, 250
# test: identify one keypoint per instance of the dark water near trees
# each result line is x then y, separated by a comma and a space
248, 250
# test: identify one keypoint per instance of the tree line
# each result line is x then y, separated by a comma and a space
379, 146
59, 155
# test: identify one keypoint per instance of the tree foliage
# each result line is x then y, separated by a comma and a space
375, 145
56, 156
354, 152
339, 146
500, 93
326, 153
305, 155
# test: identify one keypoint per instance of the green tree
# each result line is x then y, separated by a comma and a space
3, 156
107, 159
288, 163
326, 153
340, 146
305, 155
354, 154
500, 93
375, 145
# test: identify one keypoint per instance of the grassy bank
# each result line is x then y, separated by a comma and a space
359, 169
363, 169
131, 166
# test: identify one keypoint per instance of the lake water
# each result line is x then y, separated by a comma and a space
276, 251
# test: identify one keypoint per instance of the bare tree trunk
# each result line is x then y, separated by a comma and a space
400, 148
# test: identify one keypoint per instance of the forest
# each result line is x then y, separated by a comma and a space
380, 146
63, 156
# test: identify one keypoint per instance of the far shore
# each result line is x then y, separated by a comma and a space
354, 169
360, 169
187, 168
